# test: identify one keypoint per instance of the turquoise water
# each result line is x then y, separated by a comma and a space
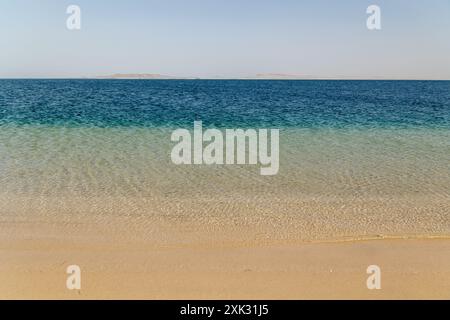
338, 138
356, 157
232, 103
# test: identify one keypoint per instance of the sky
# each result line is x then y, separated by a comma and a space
226, 39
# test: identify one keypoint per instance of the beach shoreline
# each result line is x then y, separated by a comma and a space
196, 263
87, 179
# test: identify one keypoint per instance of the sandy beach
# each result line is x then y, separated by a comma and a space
411, 269
125, 257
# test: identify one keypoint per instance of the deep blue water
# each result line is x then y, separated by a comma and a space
236, 103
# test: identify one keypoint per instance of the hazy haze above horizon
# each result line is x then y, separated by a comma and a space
226, 39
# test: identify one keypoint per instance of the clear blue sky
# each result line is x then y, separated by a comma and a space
227, 38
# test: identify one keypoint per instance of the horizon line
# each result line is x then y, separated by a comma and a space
226, 78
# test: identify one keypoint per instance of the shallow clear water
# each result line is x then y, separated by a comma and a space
380, 147
135, 161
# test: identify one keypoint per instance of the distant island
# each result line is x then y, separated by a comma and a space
155, 76
281, 76
259, 76
139, 76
